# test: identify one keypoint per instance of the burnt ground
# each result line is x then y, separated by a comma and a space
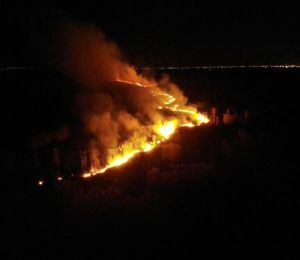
232, 192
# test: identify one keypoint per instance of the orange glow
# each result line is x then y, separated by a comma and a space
188, 125
121, 124
119, 160
145, 113
86, 175
202, 119
148, 147
167, 129
160, 132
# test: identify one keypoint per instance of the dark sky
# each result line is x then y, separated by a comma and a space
190, 33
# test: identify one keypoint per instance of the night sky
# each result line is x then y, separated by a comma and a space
149, 34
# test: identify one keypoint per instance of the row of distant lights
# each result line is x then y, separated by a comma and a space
275, 66
288, 66
8, 68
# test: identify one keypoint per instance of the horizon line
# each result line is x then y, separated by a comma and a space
204, 67
212, 67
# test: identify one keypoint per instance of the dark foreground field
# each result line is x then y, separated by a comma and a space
231, 193
230, 190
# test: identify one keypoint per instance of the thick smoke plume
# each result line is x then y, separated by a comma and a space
89, 57
120, 109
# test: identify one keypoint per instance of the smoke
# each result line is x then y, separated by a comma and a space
86, 55
115, 112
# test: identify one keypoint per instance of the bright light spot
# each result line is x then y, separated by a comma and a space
41, 182
187, 125
148, 147
59, 178
202, 119
86, 175
167, 129
121, 160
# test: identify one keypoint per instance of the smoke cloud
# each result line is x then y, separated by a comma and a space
117, 106
85, 53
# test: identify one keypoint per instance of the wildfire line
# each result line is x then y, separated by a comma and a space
162, 132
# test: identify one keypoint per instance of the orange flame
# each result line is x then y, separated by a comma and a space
159, 108
161, 132
167, 129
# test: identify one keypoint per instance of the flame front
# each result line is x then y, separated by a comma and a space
184, 116
122, 112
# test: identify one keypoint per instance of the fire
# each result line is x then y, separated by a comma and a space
148, 147
136, 119
167, 129
160, 131
121, 159
87, 175
202, 119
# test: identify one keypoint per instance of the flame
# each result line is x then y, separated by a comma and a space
167, 129
148, 147
202, 119
161, 132
123, 124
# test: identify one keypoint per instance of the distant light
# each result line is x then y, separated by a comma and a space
40, 182
59, 178
227, 67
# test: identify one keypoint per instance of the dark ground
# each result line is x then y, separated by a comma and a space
234, 192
